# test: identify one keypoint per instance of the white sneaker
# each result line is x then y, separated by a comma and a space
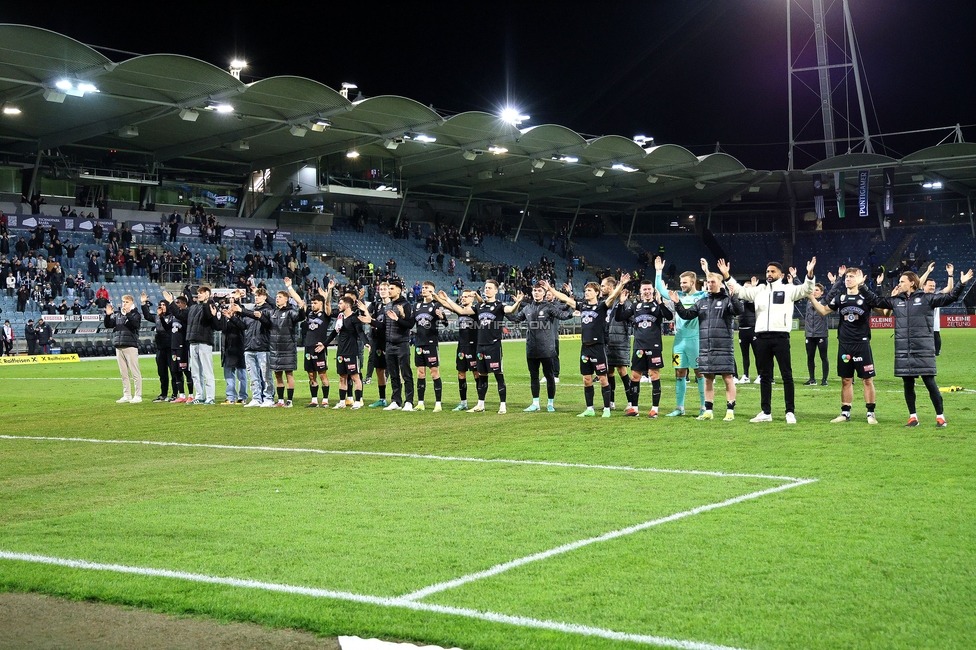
341, 404
557, 380
542, 380
135, 400
645, 379
790, 418
407, 407
762, 417
267, 404
757, 380
357, 405
253, 402
392, 406
123, 400
502, 410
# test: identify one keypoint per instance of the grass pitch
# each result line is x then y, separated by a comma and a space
877, 553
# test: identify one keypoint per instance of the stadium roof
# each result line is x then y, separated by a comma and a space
161, 114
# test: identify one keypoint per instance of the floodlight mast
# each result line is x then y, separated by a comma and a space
815, 9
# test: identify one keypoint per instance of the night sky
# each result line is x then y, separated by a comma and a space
687, 72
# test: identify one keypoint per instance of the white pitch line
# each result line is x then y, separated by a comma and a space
572, 546
493, 617
390, 454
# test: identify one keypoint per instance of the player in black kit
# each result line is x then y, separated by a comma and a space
593, 351
376, 317
316, 356
490, 315
348, 333
853, 340
467, 349
646, 316
427, 315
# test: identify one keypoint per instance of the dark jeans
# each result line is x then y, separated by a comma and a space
769, 346
815, 343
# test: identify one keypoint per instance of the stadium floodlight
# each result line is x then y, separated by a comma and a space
538, 163
651, 178
470, 154
620, 167
699, 185
9, 109
63, 84
352, 154
392, 143
932, 185
188, 115
219, 107
236, 65
421, 137
566, 159
513, 116
87, 87
495, 149
599, 172
297, 131
753, 189
346, 87
319, 125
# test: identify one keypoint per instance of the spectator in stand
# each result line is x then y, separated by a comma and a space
125, 337
7, 335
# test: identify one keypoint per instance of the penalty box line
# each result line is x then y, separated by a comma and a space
572, 546
493, 617
391, 454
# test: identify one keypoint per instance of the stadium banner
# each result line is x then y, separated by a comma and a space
61, 223
957, 320
91, 317
839, 193
39, 358
863, 179
53, 318
946, 320
889, 190
818, 199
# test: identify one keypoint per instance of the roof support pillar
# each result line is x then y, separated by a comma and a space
632, 220
708, 222
525, 211
879, 206
572, 224
465, 215
33, 184
400, 211
969, 204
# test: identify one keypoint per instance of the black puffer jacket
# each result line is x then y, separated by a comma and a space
283, 343
163, 326
257, 334
232, 350
200, 323
715, 313
914, 342
398, 331
125, 328
540, 318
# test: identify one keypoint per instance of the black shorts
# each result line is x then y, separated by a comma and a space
593, 360
466, 360
747, 335
316, 361
180, 358
646, 360
426, 357
347, 365
489, 358
378, 358
855, 358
